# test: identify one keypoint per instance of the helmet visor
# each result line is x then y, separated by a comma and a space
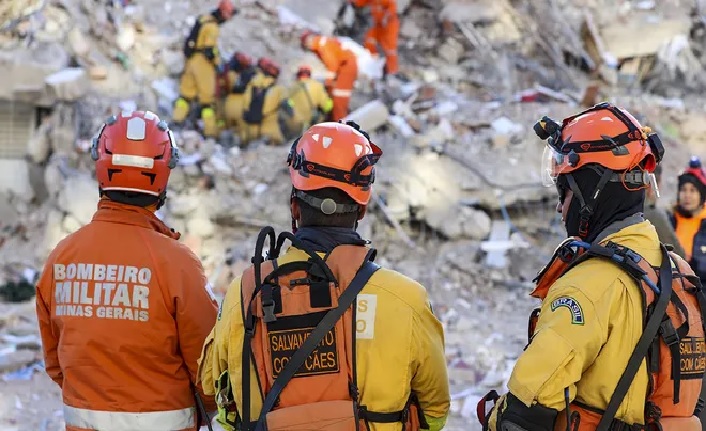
551, 160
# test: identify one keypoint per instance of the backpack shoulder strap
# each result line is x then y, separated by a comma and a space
297, 360
643, 344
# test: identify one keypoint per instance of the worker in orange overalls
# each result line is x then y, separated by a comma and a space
123, 307
342, 69
385, 30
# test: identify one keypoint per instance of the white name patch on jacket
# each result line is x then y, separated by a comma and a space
365, 316
102, 291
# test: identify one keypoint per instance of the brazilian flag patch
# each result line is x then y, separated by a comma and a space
573, 306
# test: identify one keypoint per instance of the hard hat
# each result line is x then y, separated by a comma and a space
226, 8
303, 71
134, 151
605, 139
268, 67
240, 61
334, 155
305, 35
603, 135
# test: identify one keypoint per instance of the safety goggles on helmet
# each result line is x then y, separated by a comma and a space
334, 155
603, 135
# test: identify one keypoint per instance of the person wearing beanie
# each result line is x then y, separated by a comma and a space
661, 219
689, 214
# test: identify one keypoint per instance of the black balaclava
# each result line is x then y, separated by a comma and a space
614, 203
688, 178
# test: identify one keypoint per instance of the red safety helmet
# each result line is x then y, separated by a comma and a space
304, 72
305, 35
226, 8
134, 151
334, 155
241, 60
268, 67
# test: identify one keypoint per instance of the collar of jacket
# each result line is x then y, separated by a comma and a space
325, 239
115, 212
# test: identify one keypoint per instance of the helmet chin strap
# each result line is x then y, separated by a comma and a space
587, 207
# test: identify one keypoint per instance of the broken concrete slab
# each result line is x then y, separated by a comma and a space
370, 116
69, 84
79, 197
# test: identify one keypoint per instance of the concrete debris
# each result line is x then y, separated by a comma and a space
370, 116
68, 85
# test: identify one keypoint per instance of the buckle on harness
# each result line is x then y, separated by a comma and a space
249, 325
268, 308
668, 333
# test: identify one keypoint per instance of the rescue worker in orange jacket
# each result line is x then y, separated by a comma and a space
383, 365
342, 69
241, 69
198, 80
385, 31
609, 350
123, 307
309, 103
689, 215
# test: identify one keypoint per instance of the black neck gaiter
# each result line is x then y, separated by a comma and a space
614, 203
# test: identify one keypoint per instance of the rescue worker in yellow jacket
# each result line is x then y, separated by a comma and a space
198, 80
262, 101
123, 307
600, 356
387, 359
309, 101
241, 69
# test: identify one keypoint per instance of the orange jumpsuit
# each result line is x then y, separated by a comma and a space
342, 72
123, 311
385, 30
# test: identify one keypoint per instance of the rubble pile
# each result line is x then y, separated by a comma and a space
459, 203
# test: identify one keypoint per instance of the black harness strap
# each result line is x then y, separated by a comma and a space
643, 344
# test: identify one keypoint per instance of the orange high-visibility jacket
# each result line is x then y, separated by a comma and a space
123, 310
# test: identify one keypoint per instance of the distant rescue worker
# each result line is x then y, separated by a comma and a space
262, 100
689, 216
618, 343
342, 69
241, 69
198, 80
660, 218
309, 102
329, 341
123, 307
385, 31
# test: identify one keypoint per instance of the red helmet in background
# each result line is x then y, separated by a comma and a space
240, 60
268, 67
134, 152
303, 72
226, 8
305, 35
